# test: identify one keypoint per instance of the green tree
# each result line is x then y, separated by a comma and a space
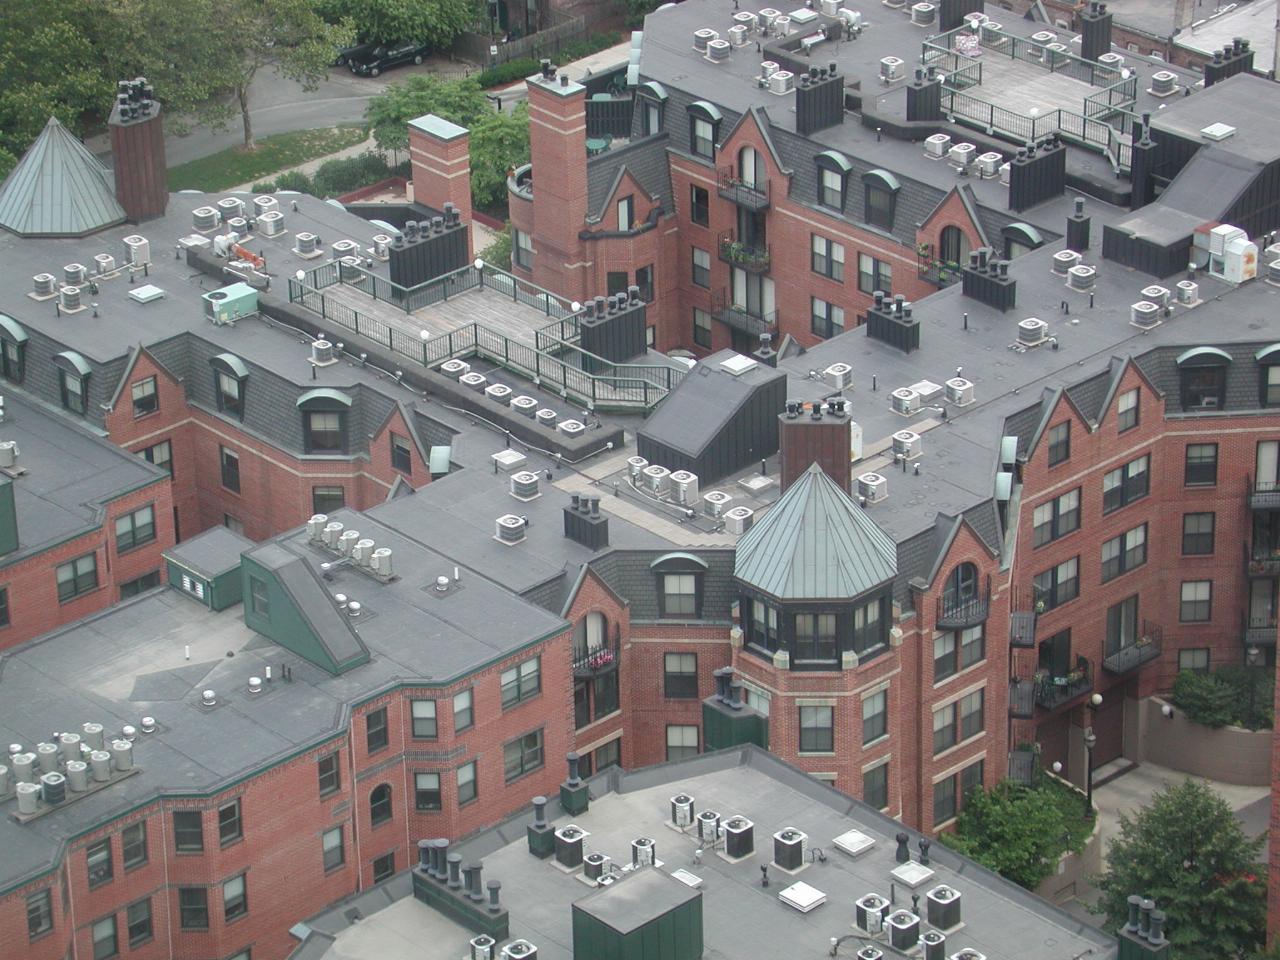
498, 253
434, 22
7, 162
1186, 851
459, 101
499, 142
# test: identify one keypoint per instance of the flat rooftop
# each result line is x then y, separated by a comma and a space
1254, 21
740, 918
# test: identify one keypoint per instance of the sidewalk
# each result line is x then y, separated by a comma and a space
311, 166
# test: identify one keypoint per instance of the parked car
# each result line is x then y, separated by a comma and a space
345, 54
384, 56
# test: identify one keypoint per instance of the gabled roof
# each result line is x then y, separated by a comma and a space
58, 189
815, 543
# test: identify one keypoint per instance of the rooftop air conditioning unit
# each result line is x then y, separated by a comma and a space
744, 18
332, 533
993, 33
474, 381
923, 14
380, 563
942, 907
684, 486
74, 274
989, 165
708, 823
968, 953
768, 68
768, 15
382, 246
363, 551
347, 542
1188, 291
873, 487
682, 810
1032, 331
1081, 277
546, 417
702, 37
658, 479
306, 245
715, 502
906, 444
525, 406
1048, 36
344, 248
905, 400
937, 145
104, 263
139, 249
890, 69
1156, 294
635, 468
781, 82
1164, 83
829, 8
719, 50
519, 950
975, 20
571, 428
961, 154
482, 947
205, 219
852, 19
838, 376
1064, 260
904, 929
738, 520
499, 393
264, 204
789, 848
230, 207
869, 912
1144, 313
509, 528
959, 391
1113, 60
453, 369
1004, 173
524, 485
271, 223
782, 26
738, 35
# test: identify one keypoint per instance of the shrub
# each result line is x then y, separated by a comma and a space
336, 177
263, 186
1234, 695
498, 253
296, 180
507, 73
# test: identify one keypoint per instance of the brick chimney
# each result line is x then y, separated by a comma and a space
558, 150
440, 155
137, 150
815, 433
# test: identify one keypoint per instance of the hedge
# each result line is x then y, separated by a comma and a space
1231, 695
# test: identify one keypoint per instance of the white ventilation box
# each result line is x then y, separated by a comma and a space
1217, 132
635, 468
959, 391
873, 487
139, 249
961, 154
453, 369
474, 381
1081, 277
571, 428
271, 223
657, 479
1064, 260
906, 444
738, 520
1144, 313
1156, 294
890, 69
782, 82
525, 406
716, 502
524, 485
737, 365
905, 400
684, 487
499, 393
1032, 331
937, 145
509, 528
838, 376
1188, 291
989, 164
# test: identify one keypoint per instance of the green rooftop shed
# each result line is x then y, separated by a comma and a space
649, 915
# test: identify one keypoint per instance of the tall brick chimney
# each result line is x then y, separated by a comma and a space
440, 156
558, 150
819, 434
137, 149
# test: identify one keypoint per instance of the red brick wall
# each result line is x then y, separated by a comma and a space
442, 172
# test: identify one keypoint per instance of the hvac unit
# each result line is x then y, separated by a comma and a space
316, 525
657, 479
509, 528
768, 15
205, 219
349, 269
989, 165
499, 393
635, 468
74, 274
347, 542
1220, 236
781, 82
139, 249
482, 947
271, 223
737, 520
69, 297
1054, 52
1156, 294
682, 810
789, 848
906, 444
937, 145
8, 454
890, 69
702, 37
961, 154
708, 822
380, 563
230, 207
782, 26
1188, 291
644, 852
474, 381
1048, 36
838, 376
453, 369
1032, 331
264, 204
992, 33
923, 14
715, 502
935, 945
42, 286
718, 50
1064, 260
1113, 60
1164, 83
344, 248
332, 531
829, 8
737, 35
363, 551
1081, 277
852, 20
959, 391
873, 487
381, 246
905, 400
595, 866
975, 20
746, 19
570, 845
525, 406
1240, 263
684, 487
546, 417
524, 485
904, 929
322, 353
768, 68
739, 838
1144, 313
239, 226
1004, 173
869, 912
942, 907
968, 953
519, 950
571, 428
306, 245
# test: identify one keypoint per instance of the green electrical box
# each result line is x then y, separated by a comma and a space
724, 727
649, 915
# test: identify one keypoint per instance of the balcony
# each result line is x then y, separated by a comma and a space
1022, 766
750, 196
1022, 620
741, 318
1142, 651
743, 255
1022, 699
960, 613
596, 660
520, 183
1262, 559
1053, 692
1258, 631
1264, 494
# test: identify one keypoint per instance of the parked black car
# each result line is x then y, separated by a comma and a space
384, 56
346, 54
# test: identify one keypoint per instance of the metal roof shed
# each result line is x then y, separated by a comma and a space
647, 916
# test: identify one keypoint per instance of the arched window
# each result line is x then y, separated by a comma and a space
1202, 376
590, 635
1020, 238
833, 179
13, 349
953, 246
962, 585
229, 377
751, 169
704, 127
324, 420
881, 188
380, 804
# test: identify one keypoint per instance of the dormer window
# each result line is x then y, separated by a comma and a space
1268, 359
73, 381
679, 582
653, 100
324, 421
230, 377
704, 125
1202, 378
13, 349
833, 179
881, 189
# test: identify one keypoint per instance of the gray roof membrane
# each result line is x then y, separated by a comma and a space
210, 554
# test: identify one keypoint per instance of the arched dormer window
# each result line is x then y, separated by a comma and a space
653, 104
1202, 378
953, 246
833, 179
324, 420
704, 128
881, 188
751, 169
680, 579
230, 377
1020, 238
73, 381
13, 349
964, 601
1268, 359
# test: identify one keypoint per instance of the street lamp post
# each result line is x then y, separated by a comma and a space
1090, 741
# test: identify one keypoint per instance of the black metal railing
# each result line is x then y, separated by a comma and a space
1259, 630
1053, 691
1264, 494
741, 318
1261, 559
1144, 649
1022, 699
749, 257
751, 196
1022, 766
596, 660
959, 613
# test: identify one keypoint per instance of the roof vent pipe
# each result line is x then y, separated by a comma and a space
354, 609
1156, 936
595, 506
1144, 919
442, 584
149, 723
572, 759
208, 698
255, 685
539, 811
129, 732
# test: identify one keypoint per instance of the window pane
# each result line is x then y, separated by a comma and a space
467, 783
424, 718
462, 713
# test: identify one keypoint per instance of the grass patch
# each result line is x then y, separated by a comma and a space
233, 166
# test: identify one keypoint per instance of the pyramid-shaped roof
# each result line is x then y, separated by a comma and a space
58, 189
815, 543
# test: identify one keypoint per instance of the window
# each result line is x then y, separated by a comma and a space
161, 454
463, 714
1195, 659
522, 755
1127, 410
426, 791
699, 206
193, 908
1202, 464
131, 588
380, 804
679, 594
12, 360
329, 774
230, 391
333, 849
958, 650
1059, 443
626, 213
1122, 626
77, 577
616, 282
235, 901
467, 789
701, 267
831, 189
104, 938
4, 606
1123, 485
384, 867
875, 716
135, 529
682, 741
401, 454
138, 922
1197, 534
652, 117
327, 499
764, 625
815, 637
874, 275
817, 731
145, 399
751, 168
1197, 601
188, 831
424, 719
609, 755
949, 793
1058, 584
1270, 384
680, 676
133, 843
73, 389
875, 786
825, 319
375, 730
881, 197
701, 328
230, 827
259, 597
324, 431
1056, 518
522, 249
39, 910
702, 138
521, 682
1121, 554
1203, 382
230, 462
953, 246
868, 626
958, 721
650, 336
644, 280
827, 257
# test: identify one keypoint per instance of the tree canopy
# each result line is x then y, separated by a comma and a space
459, 101
498, 142
435, 22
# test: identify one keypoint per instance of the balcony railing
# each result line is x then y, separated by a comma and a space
1264, 494
1053, 691
1022, 766
750, 258
751, 196
740, 318
1261, 559
1022, 619
960, 613
1022, 699
596, 660
1142, 651
1259, 631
